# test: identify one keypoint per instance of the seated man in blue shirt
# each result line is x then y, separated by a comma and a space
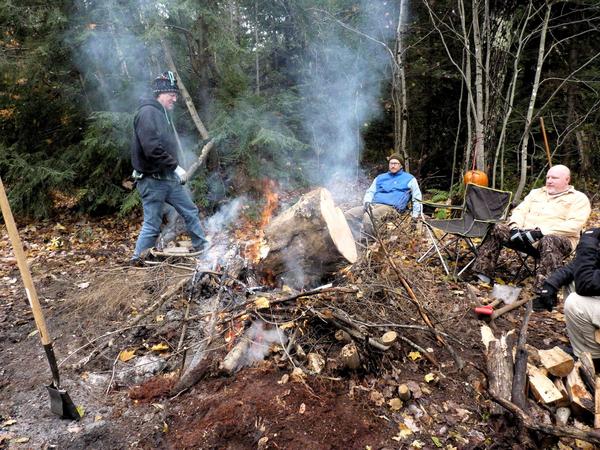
390, 191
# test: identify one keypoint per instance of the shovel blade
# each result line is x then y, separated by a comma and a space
61, 404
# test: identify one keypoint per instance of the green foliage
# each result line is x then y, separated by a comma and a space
253, 134
30, 181
101, 161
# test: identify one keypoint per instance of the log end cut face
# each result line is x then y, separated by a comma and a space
338, 227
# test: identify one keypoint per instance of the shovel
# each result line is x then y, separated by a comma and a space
60, 402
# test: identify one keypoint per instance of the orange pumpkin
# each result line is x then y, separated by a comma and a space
476, 177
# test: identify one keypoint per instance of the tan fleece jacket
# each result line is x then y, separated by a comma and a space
564, 214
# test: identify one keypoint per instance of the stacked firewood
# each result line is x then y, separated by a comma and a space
565, 390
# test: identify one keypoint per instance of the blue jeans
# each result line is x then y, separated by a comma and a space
155, 193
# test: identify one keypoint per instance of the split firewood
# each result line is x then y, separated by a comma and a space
541, 386
560, 385
388, 338
404, 392
558, 362
588, 371
308, 240
499, 361
581, 399
350, 357
597, 335
562, 415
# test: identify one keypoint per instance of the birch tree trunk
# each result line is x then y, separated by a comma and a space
479, 147
529, 118
509, 101
399, 91
470, 105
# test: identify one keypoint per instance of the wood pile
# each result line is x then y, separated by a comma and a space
561, 390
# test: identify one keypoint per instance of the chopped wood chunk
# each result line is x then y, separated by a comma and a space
541, 386
389, 338
562, 415
581, 399
558, 362
588, 372
404, 392
350, 357
560, 385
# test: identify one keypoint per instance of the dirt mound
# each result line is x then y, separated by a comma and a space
255, 409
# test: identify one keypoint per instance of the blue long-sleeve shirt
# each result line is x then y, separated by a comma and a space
393, 189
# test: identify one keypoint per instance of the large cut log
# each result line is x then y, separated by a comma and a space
307, 241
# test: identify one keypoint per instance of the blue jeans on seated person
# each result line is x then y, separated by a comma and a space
155, 193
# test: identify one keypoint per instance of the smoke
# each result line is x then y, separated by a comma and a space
216, 232
343, 89
260, 340
225, 216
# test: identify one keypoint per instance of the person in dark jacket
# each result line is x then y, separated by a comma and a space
390, 191
159, 177
582, 307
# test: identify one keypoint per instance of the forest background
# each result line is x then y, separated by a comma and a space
303, 92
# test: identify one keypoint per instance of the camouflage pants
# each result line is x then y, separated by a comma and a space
553, 250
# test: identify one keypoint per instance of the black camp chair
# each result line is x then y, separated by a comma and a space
482, 208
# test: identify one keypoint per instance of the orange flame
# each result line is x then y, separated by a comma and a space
268, 188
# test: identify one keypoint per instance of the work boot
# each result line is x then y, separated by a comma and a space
136, 262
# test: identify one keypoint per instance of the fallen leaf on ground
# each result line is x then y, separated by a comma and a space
261, 303
159, 347
126, 355
414, 355
377, 398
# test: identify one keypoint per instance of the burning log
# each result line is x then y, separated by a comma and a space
307, 241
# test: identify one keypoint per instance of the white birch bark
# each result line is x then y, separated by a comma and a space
528, 119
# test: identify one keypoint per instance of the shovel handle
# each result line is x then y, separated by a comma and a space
15, 240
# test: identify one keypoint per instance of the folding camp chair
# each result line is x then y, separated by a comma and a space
482, 208
524, 253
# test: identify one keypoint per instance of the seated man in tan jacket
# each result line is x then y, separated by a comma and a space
549, 219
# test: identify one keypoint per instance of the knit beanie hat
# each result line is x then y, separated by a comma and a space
165, 82
395, 156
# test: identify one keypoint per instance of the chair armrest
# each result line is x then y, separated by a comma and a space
441, 205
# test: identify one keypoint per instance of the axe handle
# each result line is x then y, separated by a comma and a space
507, 308
15, 240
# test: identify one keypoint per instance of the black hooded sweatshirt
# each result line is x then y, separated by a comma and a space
153, 146
584, 270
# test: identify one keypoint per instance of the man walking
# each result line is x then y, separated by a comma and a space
159, 177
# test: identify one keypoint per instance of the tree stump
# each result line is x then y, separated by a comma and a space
307, 241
